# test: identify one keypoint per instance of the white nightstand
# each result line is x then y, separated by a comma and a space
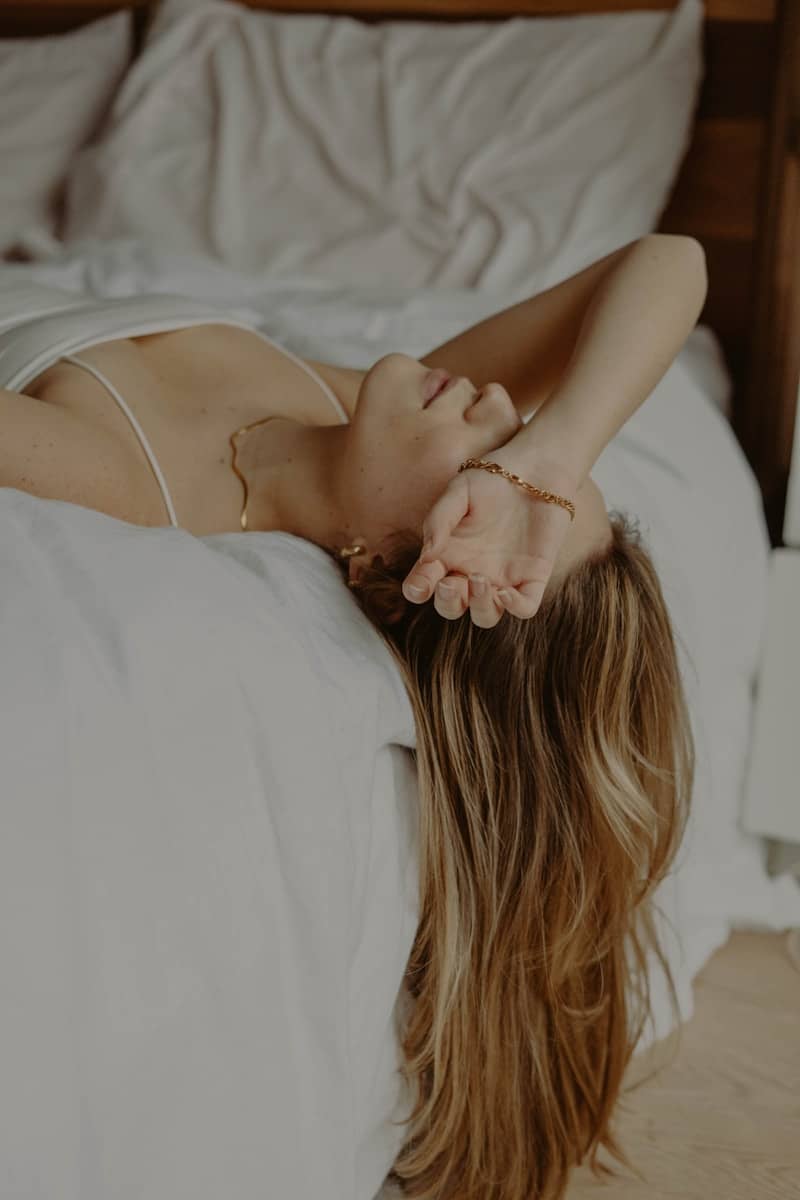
772, 795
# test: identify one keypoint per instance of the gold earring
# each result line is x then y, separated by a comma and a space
348, 551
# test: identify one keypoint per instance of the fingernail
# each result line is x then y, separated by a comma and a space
415, 592
504, 596
447, 587
478, 583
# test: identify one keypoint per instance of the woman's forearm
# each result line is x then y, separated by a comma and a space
634, 326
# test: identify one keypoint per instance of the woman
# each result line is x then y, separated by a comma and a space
555, 756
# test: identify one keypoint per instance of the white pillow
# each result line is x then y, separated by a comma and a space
489, 154
54, 92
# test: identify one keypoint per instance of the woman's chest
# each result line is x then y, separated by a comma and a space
189, 390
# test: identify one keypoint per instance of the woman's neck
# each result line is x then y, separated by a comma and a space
291, 471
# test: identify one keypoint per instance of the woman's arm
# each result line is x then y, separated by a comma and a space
633, 327
635, 324
527, 346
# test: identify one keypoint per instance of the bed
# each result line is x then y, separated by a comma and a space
207, 873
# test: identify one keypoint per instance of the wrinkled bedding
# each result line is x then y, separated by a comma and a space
208, 863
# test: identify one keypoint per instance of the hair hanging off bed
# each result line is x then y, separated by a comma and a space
555, 762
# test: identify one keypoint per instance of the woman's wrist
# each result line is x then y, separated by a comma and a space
634, 326
553, 462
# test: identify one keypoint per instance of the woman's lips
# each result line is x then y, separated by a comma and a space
434, 383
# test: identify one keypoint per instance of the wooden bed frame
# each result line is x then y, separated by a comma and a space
738, 191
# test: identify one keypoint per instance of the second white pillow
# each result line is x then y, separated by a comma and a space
54, 93
483, 153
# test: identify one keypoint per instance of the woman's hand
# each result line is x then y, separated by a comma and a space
483, 525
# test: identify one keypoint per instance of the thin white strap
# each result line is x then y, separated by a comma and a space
162, 483
309, 370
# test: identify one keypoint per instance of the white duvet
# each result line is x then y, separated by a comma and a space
207, 869
206, 874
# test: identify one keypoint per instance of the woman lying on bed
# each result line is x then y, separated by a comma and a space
554, 752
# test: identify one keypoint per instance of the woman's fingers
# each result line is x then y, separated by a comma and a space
522, 602
455, 594
485, 611
451, 598
419, 585
446, 513
451, 508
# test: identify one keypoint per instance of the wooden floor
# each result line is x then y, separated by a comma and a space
723, 1120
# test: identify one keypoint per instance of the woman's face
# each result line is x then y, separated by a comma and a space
403, 449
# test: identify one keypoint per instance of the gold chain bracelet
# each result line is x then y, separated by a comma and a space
540, 493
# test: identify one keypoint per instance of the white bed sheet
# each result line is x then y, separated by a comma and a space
208, 865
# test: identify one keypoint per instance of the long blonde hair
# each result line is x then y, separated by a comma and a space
555, 763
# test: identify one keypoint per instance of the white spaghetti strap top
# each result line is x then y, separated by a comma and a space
41, 325
334, 399
137, 429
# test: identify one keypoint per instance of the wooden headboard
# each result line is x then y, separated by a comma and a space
738, 191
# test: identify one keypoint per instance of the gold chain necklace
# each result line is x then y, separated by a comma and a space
236, 433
